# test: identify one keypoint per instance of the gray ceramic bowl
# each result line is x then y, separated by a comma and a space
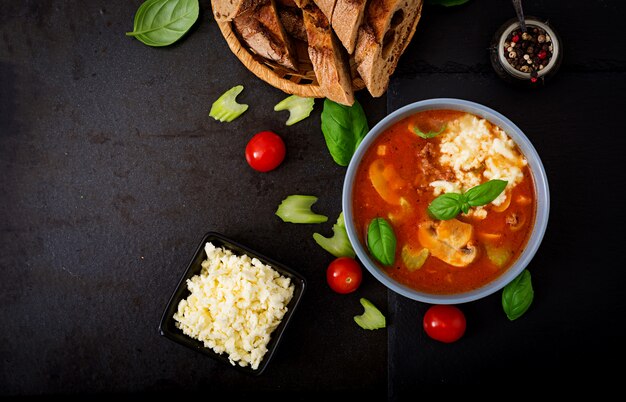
541, 190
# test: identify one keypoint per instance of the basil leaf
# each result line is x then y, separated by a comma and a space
447, 3
517, 296
446, 206
430, 134
163, 22
381, 241
344, 128
485, 193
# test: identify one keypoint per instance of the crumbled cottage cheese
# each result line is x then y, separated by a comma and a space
235, 304
478, 151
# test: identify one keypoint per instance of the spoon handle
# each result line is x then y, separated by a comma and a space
517, 4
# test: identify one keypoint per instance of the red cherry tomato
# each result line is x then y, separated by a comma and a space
444, 323
265, 151
344, 275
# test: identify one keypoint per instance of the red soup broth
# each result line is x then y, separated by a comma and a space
415, 164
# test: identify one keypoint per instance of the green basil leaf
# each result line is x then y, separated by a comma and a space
447, 3
163, 22
446, 206
485, 193
381, 241
430, 134
465, 206
517, 296
344, 128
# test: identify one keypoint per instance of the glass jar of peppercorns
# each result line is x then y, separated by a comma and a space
528, 57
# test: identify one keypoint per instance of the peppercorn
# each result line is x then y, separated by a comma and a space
535, 49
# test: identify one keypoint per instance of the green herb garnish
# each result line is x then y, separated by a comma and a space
449, 205
344, 128
517, 296
163, 22
297, 209
381, 241
371, 318
430, 134
299, 108
338, 245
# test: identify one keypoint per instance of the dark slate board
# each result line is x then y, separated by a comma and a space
573, 331
112, 172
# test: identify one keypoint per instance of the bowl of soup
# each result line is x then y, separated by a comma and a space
445, 201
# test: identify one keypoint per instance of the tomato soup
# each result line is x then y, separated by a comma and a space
445, 152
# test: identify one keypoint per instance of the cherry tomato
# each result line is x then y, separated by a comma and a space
444, 323
265, 151
344, 275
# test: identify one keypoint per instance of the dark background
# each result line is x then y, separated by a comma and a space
112, 171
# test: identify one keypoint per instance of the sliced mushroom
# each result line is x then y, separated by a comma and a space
515, 221
450, 241
386, 181
505, 204
405, 211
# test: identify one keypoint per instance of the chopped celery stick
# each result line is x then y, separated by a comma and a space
414, 259
297, 209
372, 318
499, 256
338, 245
299, 108
226, 108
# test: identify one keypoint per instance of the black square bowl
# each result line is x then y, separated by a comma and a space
168, 327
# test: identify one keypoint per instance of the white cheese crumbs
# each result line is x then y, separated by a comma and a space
235, 304
478, 151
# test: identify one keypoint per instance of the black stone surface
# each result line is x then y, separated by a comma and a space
112, 171
573, 332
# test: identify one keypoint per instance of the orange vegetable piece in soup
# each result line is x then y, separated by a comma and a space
402, 173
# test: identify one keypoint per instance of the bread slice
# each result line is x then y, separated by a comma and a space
227, 10
287, 3
328, 57
292, 20
388, 28
263, 31
327, 7
347, 18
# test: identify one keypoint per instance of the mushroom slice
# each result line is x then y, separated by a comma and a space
450, 241
386, 180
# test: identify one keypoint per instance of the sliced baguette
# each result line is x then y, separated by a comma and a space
347, 18
388, 28
291, 18
227, 10
287, 3
263, 31
328, 57
327, 7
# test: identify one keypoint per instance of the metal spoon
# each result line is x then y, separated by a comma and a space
517, 4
